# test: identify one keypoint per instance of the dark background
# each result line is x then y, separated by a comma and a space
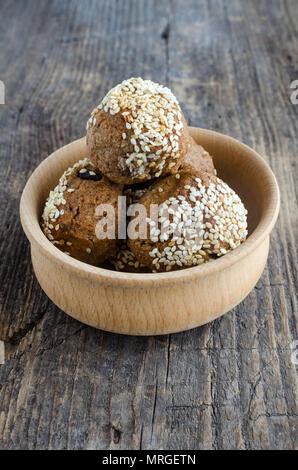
229, 384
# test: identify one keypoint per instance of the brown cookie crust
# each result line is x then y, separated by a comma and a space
223, 223
197, 159
126, 261
69, 219
137, 133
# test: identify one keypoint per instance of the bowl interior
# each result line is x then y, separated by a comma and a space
242, 168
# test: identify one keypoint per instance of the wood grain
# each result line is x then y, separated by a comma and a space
163, 303
229, 384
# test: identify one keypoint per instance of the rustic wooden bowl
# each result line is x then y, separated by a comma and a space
154, 304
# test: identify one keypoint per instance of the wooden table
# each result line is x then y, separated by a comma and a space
230, 384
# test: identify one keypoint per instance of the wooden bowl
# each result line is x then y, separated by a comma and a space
160, 303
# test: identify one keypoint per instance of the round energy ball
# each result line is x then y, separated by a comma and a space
197, 159
138, 132
126, 261
199, 217
69, 218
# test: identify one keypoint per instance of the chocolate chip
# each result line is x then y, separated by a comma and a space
89, 175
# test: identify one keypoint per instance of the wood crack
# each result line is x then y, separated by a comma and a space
21, 333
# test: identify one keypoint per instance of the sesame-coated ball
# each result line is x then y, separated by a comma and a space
69, 218
138, 132
199, 217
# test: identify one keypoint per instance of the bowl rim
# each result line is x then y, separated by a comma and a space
36, 237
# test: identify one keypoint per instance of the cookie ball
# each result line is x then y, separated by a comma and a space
126, 261
197, 159
137, 133
69, 218
199, 217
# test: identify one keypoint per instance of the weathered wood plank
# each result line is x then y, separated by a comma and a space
230, 384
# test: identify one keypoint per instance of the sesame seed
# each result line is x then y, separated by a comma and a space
227, 228
52, 209
153, 112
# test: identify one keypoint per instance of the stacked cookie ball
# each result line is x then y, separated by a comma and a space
139, 147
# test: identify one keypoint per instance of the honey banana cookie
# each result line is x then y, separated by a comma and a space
199, 217
69, 218
138, 132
